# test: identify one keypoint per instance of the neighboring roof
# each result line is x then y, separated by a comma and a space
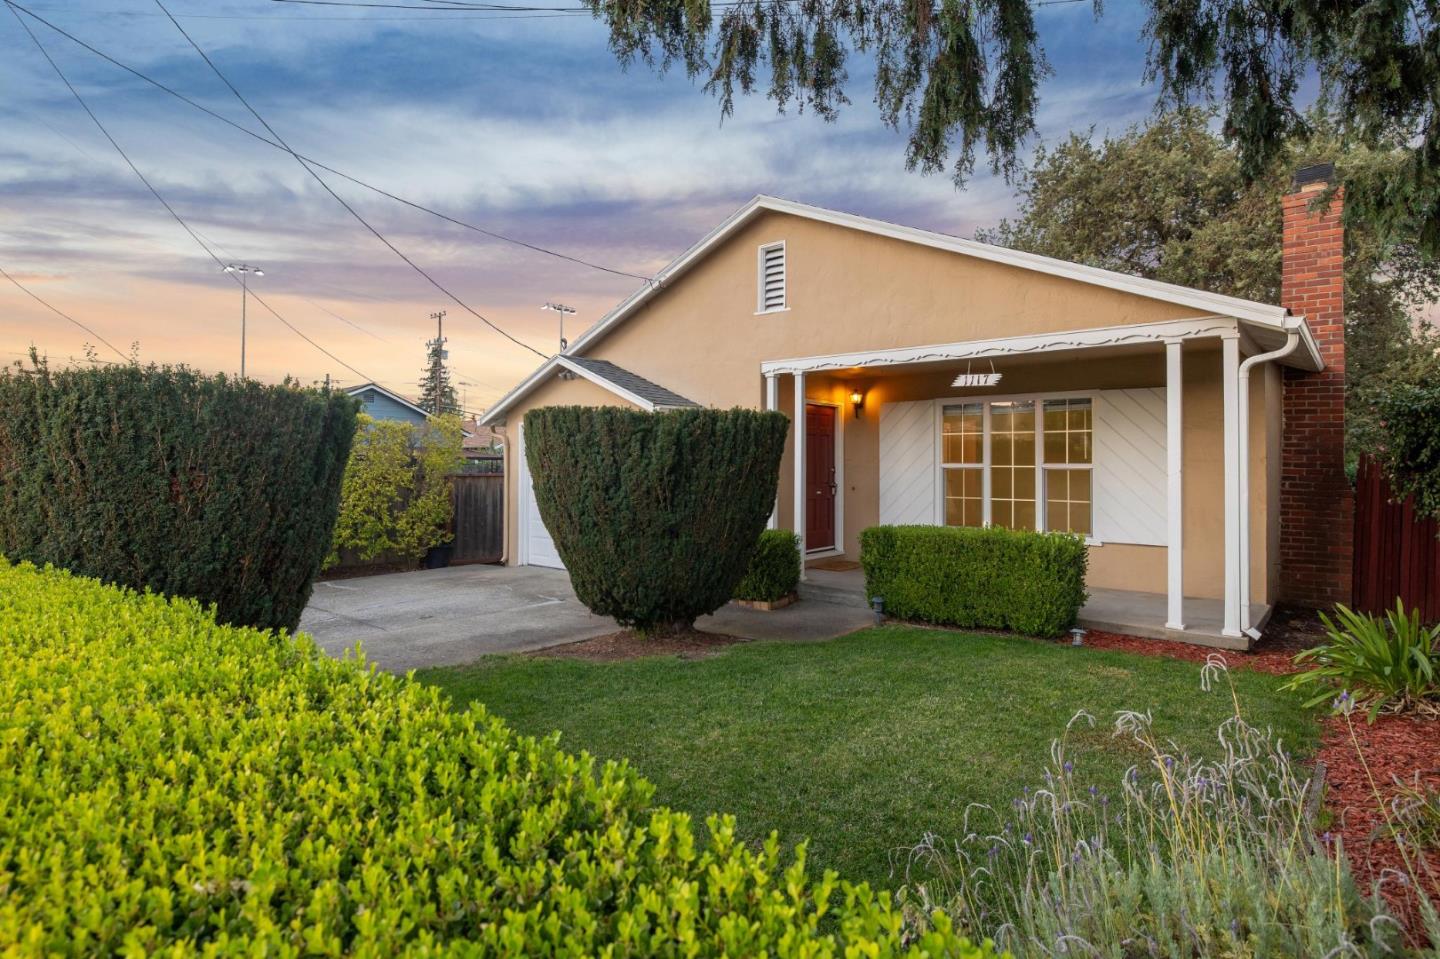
624, 384
356, 390
1263, 314
477, 437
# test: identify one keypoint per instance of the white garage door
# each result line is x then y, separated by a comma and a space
536, 546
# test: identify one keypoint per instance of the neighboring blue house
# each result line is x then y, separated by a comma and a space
381, 404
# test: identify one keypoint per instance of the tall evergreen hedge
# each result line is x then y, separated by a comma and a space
167, 479
654, 514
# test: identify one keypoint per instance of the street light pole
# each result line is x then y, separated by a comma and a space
245, 270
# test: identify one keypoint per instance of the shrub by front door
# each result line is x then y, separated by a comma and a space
820, 477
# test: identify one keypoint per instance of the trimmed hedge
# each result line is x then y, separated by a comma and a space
168, 785
219, 489
774, 570
1032, 583
654, 514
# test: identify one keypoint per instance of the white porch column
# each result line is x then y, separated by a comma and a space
772, 403
1175, 485
1230, 369
797, 429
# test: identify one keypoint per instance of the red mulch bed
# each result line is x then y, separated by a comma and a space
1397, 749
627, 644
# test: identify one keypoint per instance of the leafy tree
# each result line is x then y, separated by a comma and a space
1179, 208
395, 497
964, 75
1379, 60
1406, 440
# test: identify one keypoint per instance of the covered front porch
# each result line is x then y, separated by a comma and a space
1158, 443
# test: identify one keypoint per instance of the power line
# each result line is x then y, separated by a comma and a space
329, 169
338, 198
459, 15
59, 312
156, 193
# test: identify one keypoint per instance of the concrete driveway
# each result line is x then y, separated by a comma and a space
448, 617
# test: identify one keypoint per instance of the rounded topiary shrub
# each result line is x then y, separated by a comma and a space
166, 479
654, 514
774, 570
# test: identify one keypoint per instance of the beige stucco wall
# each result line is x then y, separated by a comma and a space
851, 291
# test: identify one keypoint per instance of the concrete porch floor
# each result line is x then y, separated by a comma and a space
1109, 610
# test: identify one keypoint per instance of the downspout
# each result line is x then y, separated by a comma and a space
1292, 340
506, 456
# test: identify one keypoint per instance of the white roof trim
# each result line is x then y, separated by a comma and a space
1208, 303
1107, 336
393, 395
496, 413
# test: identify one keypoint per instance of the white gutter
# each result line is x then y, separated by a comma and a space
1292, 340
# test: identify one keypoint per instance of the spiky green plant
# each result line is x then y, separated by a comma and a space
1388, 665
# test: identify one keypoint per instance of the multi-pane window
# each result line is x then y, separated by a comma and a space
1012, 464
962, 438
1069, 451
1022, 464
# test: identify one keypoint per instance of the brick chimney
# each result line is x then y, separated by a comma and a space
1316, 501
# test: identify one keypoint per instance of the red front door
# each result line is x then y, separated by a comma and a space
819, 477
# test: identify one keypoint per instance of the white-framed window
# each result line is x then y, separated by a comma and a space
1018, 463
771, 294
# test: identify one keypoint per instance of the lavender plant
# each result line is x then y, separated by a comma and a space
1185, 857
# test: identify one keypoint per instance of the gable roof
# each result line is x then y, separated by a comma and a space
1211, 304
1263, 316
356, 390
649, 396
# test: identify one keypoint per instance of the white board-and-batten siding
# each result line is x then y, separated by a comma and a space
1129, 465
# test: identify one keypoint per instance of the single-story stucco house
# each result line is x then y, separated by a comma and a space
1195, 440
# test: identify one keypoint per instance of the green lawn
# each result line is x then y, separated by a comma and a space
864, 743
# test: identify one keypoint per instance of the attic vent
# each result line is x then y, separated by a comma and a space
772, 278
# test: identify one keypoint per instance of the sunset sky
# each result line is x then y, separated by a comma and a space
522, 125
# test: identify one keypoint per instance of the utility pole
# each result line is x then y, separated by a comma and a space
438, 384
245, 272
564, 311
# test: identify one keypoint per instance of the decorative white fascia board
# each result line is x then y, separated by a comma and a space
1109, 336
1262, 313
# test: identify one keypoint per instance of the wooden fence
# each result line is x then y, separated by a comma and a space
1396, 552
479, 517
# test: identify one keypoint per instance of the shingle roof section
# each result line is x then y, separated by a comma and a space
626, 380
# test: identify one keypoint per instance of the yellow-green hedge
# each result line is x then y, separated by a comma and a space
168, 784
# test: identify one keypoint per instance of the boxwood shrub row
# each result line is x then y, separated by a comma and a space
774, 569
1032, 583
169, 785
